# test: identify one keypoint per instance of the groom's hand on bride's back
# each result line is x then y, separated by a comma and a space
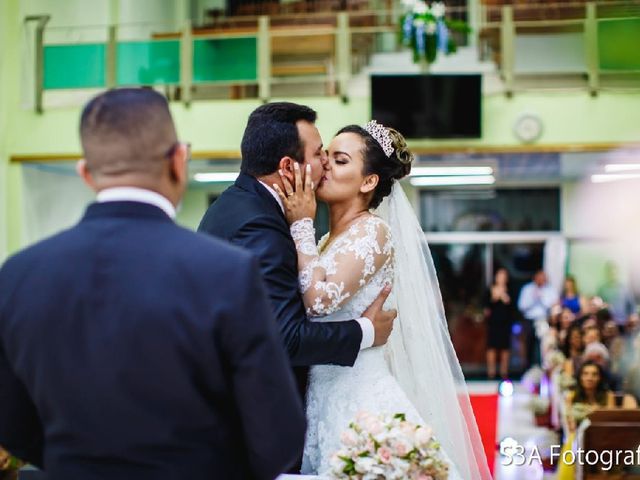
382, 320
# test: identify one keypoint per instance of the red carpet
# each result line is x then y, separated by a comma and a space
485, 408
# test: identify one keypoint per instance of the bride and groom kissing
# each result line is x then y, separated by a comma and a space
328, 299
133, 348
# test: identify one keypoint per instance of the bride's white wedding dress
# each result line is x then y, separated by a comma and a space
357, 264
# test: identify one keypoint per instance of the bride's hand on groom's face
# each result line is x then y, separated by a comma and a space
299, 202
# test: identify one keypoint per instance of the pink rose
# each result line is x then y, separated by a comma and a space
385, 454
373, 425
401, 449
349, 438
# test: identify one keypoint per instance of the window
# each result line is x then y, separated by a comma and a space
524, 210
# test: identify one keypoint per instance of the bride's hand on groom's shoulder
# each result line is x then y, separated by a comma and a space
382, 320
298, 202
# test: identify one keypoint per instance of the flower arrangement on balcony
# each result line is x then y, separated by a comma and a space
425, 29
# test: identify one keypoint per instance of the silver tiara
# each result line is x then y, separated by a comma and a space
381, 134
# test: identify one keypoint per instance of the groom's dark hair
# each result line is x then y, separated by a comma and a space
271, 134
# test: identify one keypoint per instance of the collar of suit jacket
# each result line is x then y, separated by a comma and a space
133, 194
252, 184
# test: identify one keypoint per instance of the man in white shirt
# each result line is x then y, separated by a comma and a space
535, 302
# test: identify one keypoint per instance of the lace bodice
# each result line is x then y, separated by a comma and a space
340, 279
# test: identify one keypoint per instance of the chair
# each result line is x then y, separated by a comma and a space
611, 429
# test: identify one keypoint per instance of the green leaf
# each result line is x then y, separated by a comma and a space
401, 416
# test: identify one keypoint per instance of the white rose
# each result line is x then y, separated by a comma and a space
438, 9
420, 8
423, 435
431, 28
364, 464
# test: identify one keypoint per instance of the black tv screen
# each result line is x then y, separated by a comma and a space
428, 106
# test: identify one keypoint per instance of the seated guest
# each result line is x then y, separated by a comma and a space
572, 349
591, 393
596, 352
566, 318
632, 377
615, 343
591, 334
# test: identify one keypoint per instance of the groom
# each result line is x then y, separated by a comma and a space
250, 214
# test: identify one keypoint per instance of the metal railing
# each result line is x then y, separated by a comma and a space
339, 31
583, 17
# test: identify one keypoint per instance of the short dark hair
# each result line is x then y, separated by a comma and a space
271, 134
388, 169
127, 130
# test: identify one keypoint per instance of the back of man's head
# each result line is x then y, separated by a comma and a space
271, 134
127, 131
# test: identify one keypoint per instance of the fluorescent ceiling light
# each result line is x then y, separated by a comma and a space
621, 167
602, 178
453, 180
448, 171
216, 177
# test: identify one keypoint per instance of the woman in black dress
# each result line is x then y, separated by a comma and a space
500, 313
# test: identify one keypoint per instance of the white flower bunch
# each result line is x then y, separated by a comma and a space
388, 447
554, 359
539, 405
567, 382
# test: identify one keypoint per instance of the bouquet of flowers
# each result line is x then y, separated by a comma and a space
388, 447
539, 405
554, 359
425, 29
580, 411
8, 462
567, 382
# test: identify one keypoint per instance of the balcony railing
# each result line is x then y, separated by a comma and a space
256, 53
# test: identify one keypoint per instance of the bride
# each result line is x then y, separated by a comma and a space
417, 373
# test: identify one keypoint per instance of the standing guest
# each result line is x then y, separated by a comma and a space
500, 314
131, 348
617, 295
570, 298
536, 299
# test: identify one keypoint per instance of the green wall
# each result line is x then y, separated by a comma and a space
568, 117
9, 95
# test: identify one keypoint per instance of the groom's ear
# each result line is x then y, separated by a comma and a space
369, 183
286, 165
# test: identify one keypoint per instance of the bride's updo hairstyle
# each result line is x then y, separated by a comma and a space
388, 168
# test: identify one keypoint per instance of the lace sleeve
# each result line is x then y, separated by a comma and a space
327, 281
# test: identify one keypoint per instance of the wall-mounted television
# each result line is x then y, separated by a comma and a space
429, 106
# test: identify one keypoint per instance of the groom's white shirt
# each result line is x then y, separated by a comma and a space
134, 194
368, 332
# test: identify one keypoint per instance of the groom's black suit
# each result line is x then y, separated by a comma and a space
247, 215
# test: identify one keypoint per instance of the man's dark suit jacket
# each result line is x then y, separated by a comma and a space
131, 348
247, 215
